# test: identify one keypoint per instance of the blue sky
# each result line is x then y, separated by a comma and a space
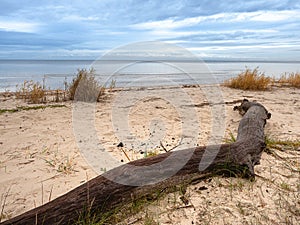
253, 29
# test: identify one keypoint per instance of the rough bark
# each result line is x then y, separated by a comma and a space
102, 195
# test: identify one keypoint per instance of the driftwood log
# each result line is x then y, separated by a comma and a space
102, 195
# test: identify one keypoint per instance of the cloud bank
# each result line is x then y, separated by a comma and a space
266, 30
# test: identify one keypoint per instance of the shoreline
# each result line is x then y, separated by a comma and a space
56, 71
274, 84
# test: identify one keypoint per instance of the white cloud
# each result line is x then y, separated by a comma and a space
176, 42
259, 16
79, 18
209, 25
17, 26
243, 47
168, 24
172, 33
56, 54
275, 16
180, 34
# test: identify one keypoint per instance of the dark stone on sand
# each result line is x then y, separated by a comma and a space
120, 145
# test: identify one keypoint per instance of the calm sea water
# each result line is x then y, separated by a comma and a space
131, 73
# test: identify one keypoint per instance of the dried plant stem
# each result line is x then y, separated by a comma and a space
4, 201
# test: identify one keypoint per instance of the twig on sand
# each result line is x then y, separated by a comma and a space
125, 154
164, 148
50, 195
161, 144
42, 194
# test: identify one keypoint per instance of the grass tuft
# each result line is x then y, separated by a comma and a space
31, 91
281, 144
85, 87
249, 80
291, 79
62, 164
27, 108
231, 138
149, 220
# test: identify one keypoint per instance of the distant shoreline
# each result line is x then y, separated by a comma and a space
55, 71
161, 60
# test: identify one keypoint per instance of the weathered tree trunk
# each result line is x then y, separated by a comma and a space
102, 195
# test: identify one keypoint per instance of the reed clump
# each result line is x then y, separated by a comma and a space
253, 80
31, 91
85, 87
290, 79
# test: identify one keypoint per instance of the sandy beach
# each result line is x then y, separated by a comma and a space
41, 157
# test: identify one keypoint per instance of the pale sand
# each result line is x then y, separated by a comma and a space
40, 158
